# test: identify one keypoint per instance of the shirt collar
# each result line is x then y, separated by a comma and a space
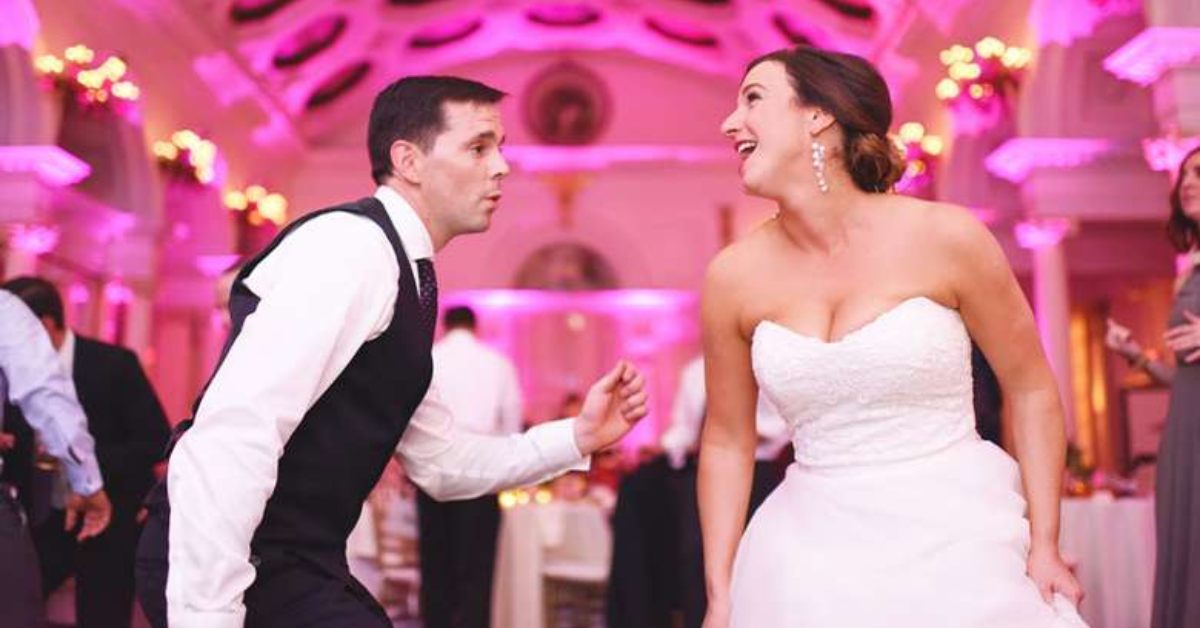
413, 234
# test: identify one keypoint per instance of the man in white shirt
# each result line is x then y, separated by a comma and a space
458, 539
32, 379
130, 430
327, 373
682, 437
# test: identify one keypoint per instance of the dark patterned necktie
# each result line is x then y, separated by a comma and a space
429, 295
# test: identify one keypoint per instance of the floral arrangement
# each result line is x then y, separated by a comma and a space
922, 152
258, 205
95, 81
980, 81
187, 156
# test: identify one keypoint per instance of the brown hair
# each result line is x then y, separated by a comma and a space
1182, 231
850, 89
412, 109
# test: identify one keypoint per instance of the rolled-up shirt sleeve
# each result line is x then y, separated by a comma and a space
323, 293
449, 463
37, 385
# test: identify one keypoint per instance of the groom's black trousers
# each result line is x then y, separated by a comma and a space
288, 591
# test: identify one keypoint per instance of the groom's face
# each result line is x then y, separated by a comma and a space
463, 168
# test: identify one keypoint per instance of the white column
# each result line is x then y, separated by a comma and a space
132, 262
1051, 300
138, 318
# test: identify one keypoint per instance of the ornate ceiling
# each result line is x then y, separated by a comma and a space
317, 55
297, 73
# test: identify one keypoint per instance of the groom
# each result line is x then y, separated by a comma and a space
326, 375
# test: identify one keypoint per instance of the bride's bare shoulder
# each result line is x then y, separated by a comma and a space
946, 223
740, 256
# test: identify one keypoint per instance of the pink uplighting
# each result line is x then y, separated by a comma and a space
18, 24
1018, 157
599, 157
560, 339
610, 301
53, 165
34, 239
1153, 52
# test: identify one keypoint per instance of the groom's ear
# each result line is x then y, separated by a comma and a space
406, 161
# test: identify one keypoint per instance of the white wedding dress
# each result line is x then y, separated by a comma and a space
896, 513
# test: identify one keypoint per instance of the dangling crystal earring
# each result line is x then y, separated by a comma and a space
818, 157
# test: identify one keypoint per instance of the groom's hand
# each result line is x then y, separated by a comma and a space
613, 405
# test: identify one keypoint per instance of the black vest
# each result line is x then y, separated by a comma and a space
336, 455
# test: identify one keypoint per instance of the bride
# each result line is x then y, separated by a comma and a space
853, 310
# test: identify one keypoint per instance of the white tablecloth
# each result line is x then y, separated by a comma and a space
527, 534
1112, 544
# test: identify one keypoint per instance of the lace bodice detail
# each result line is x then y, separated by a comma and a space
897, 388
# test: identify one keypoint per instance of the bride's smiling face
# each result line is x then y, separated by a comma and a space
771, 132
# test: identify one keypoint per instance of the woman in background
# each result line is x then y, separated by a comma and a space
1177, 489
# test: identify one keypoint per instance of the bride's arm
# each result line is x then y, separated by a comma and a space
1001, 322
728, 437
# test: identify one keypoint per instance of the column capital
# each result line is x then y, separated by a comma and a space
1042, 233
1017, 158
1154, 51
33, 239
1165, 152
53, 165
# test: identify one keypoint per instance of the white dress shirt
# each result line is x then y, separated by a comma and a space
478, 383
329, 287
33, 379
66, 357
687, 416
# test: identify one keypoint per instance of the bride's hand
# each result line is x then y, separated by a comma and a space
1052, 575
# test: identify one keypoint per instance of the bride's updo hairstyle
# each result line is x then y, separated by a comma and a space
851, 90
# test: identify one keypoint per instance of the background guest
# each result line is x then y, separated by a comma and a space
1177, 494
458, 539
31, 378
129, 426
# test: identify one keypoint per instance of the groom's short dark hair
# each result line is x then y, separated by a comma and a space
411, 109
